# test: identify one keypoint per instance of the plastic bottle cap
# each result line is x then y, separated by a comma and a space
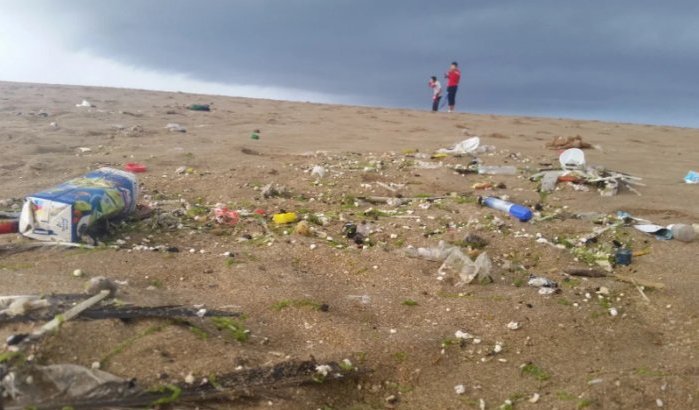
521, 212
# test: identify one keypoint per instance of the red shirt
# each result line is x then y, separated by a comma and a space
454, 76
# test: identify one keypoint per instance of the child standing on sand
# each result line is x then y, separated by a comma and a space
453, 76
436, 92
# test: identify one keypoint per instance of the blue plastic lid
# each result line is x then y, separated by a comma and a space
521, 212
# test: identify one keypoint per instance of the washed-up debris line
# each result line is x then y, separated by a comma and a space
31, 308
72, 386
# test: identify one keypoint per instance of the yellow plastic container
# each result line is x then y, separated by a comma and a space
287, 218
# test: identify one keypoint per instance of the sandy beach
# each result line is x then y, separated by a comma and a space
384, 311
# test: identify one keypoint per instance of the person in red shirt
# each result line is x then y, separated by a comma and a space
453, 76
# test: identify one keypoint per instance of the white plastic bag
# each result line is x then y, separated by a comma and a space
467, 146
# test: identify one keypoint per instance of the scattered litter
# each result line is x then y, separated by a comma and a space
285, 218
461, 335
318, 172
682, 232
459, 389
9, 223
135, 167
199, 107
428, 165
541, 282
67, 212
255, 135
549, 179
174, 127
520, 212
17, 306
497, 170
51, 326
85, 103
623, 256
514, 325
437, 254
223, 215
183, 170
468, 146
660, 232
467, 270
692, 177
497, 348
573, 158
73, 386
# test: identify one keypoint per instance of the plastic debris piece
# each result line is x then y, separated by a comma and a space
497, 170
174, 127
682, 232
459, 334
135, 167
520, 212
467, 270
541, 282
318, 172
285, 218
226, 216
692, 177
514, 325
573, 158
660, 232
467, 146
436, 254
76, 205
199, 107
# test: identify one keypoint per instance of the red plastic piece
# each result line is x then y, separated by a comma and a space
135, 167
9, 226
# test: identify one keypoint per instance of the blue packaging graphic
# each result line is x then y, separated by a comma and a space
66, 212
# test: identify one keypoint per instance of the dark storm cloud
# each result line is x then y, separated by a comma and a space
629, 60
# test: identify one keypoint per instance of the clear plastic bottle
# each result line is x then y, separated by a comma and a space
497, 170
682, 232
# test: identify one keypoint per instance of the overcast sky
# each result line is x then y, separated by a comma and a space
624, 60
